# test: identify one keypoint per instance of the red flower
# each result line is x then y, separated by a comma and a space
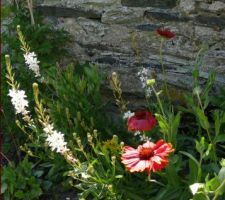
166, 33
147, 157
141, 121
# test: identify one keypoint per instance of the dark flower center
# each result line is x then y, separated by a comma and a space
146, 153
141, 115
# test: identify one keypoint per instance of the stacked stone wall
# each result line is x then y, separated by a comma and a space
119, 35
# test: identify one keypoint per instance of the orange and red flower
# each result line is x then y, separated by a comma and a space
166, 33
141, 121
147, 157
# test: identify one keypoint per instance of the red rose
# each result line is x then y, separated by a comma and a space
141, 121
166, 33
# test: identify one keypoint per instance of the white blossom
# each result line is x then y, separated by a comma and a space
141, 136
148, 92
18, 99
143, 76
128, 114
137, 133
144, 138
195, 187
56, 142
85, 175
32, 62
48, 128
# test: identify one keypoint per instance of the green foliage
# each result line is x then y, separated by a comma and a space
50, 50
98, 174
75, 102
169, 125
213, 188
20, 182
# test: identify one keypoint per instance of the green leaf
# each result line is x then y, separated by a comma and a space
164, 127
195, 73
3, 187
222, 162
19, 194
221, 174
203, 120
38, 173
201, 196
220, 138
193, 172
172, 176
212, 184
190, 156
201, 146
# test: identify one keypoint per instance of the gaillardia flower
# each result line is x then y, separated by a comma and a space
147, 157
141, 121
166, 33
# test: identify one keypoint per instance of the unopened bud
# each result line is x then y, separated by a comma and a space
35, 88
18, 28
7, 60
110, 187
114, 77
95, 132
7, 56
113, 158
150, 82
89, 137
122, 144
74, 135
115, 138
90, 169
79, 116
78, 142
197, 90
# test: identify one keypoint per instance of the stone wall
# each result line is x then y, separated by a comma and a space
119, 35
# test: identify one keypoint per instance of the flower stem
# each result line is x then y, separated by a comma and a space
163, 68
159, 101
30, 7
207, 130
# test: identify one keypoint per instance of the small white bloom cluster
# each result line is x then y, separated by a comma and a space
18, 99
137, 133
85, 175
143, 76
141, 136
148, 92
144, 138
48, 129
32, 62
128, 114
55, 139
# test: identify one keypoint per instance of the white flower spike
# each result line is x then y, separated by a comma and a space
18, 99
32, 62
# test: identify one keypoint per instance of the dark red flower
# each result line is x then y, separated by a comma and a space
147, 157
141, 121
166, 33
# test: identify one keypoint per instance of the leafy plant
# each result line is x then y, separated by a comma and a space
20, 182
75, 101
